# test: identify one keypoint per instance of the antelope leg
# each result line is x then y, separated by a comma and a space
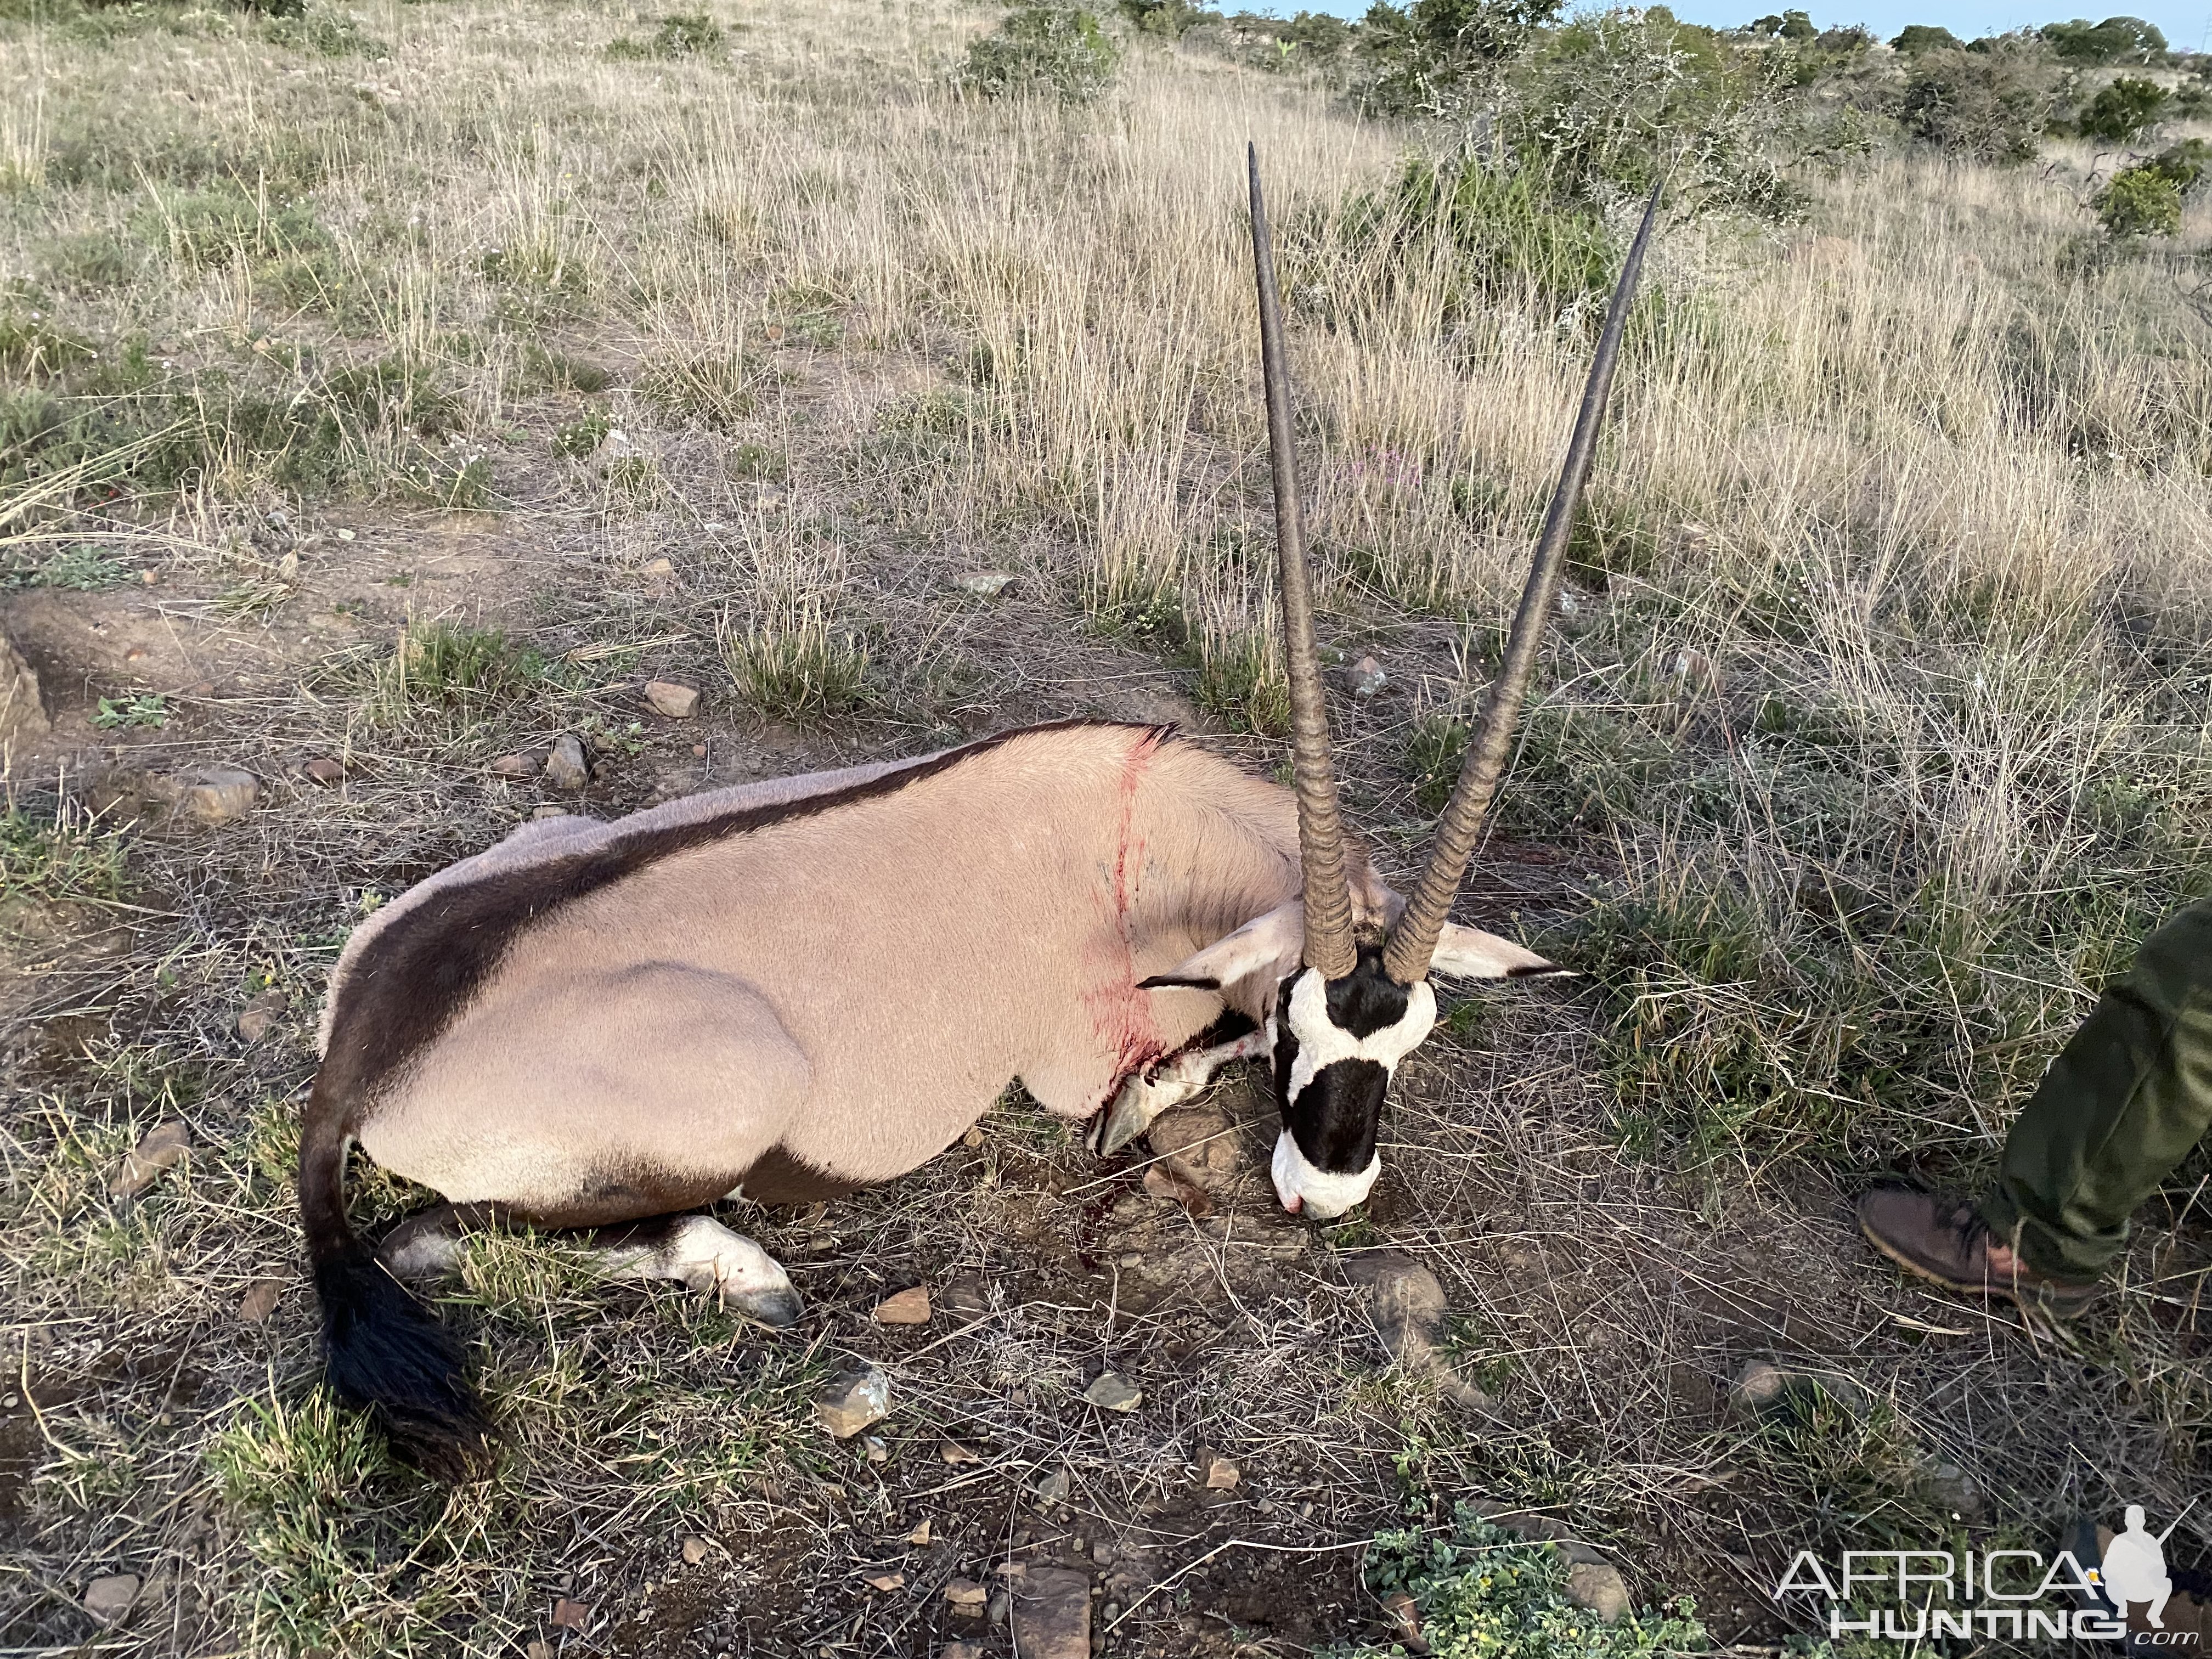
1146, 1093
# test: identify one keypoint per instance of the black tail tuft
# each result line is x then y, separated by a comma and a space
386, 1353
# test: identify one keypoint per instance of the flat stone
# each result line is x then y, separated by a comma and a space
1407, 1305
660, 567
855, 1400
218, 794
1198, 1145
22, 710
678, 702
259, 1017
984, 584
920, 1535
886, 1582
571, 1615
1217, 1472
1113, 1393
908, 1307
566, 767
108, 1599
1053, 1488
514, 766
965, 1593
164, 1143
694, 1550
953, 1452
1052, 1615
1600, 1588
260, 1300
325, 771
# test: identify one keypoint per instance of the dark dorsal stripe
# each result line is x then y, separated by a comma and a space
413, 980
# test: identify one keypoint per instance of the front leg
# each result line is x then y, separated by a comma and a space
1147, 1092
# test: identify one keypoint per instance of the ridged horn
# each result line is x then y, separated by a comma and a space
1328, 945
1413, 942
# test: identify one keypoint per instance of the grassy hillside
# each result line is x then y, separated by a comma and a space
397, 388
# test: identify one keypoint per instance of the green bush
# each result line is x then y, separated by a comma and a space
2114, 41
681, 34
1481, 1591
2122, 110
1420, 57
1990, 102
2140, 202
1043, 49
1916, 38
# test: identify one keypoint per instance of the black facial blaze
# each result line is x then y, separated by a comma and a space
1335, 1117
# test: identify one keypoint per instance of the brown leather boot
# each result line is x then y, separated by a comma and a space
1948, 1240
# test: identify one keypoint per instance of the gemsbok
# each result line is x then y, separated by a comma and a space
788, 990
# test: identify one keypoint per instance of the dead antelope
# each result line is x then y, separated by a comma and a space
790, 989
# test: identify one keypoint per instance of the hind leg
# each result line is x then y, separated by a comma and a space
701, 1253
696, 1251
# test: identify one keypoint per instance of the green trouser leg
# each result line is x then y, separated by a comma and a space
2118, 1110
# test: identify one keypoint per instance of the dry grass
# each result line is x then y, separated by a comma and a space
1874, 736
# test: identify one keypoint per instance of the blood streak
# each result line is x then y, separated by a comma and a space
1120, 1014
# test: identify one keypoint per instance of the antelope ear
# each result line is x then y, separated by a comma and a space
1269, 944
1470, 953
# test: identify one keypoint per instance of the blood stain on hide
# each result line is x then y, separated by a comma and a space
1122, 1015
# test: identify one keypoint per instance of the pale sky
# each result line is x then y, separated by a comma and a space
2184, 24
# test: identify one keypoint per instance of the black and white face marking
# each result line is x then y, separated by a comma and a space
1337, 1044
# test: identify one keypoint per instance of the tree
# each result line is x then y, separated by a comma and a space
1925, 37
1420, 53
1990, 102
1788, 25
2114, 41
2122, 110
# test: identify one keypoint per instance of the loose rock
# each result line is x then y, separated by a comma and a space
1113, 1393
1758, 1385
1407, 1304
164, 1143
218, 794
539, 1648
1600, 1588
259, 1017
1218, 1473
571, 1615
920, 1535
1052, 1615
908, 1307
984, 584
1365, 678
514, 766
1198, 1145
566, 767
886, 1582
22, 711
678, 702
1053, 1488
952, 1452
325, 771
966, 1593
695, 1550
1406, 1623
657, 568
108, 1599
260, 1300
960, 1651
855, 1400
877, 1449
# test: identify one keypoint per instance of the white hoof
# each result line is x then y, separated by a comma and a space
706, 1256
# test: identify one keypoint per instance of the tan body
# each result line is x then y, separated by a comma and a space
834, 997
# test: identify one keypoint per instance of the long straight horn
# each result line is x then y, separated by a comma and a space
1413, 942
1328, 946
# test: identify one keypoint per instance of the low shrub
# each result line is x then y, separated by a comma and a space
1990, 102
2122, 110
2140, 202
1043, 50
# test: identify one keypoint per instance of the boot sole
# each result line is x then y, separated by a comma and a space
2051, 1301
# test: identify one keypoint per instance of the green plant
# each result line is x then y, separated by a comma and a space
792, 664
1916, 38
1990, 102
2122, 109
145, 708
80, 567
1241, 679
680, 34
65, 855
326, 32
1479, 1591
225, 221
714, 389
2114, 41
583, 435
1042, 49
1421, 57
2140, 201
445, 667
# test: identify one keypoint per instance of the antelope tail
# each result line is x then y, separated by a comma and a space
382, 1350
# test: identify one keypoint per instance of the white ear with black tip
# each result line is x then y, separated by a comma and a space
1470, 953
1269, 944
